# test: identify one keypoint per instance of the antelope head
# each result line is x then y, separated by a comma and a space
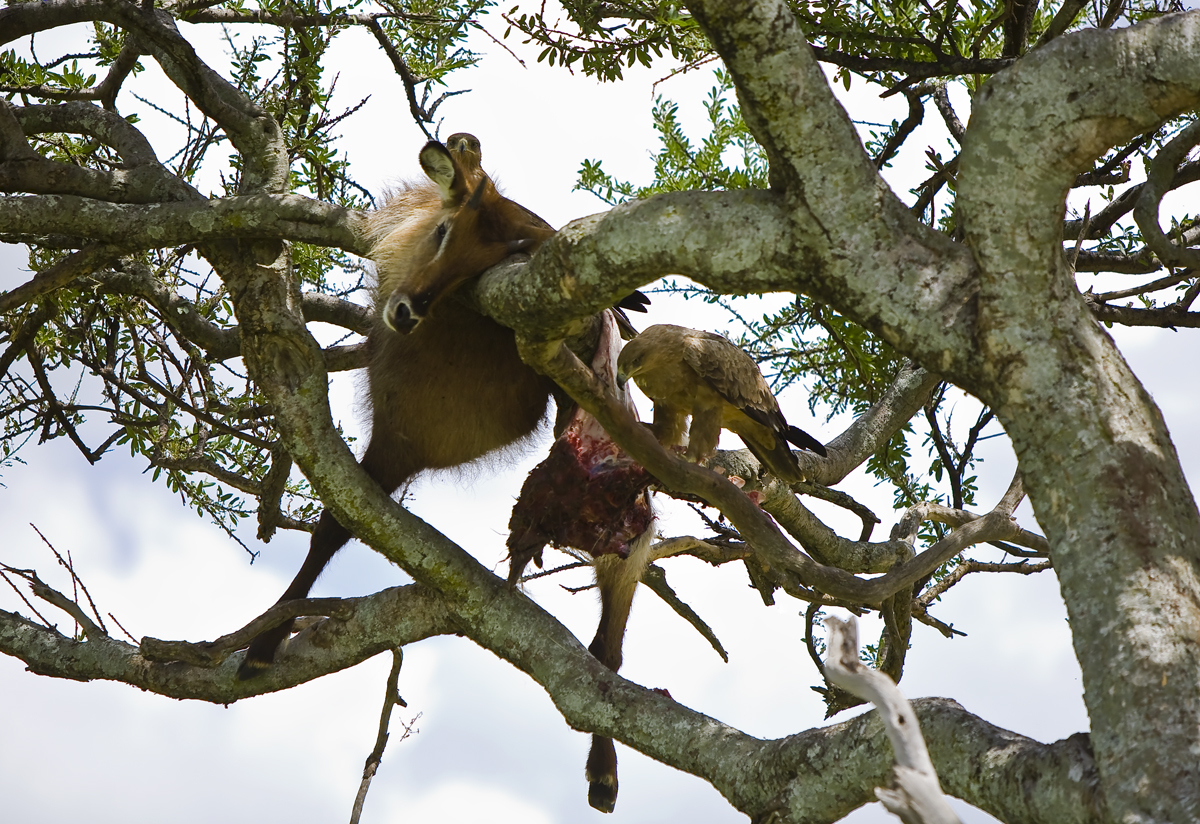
474, 229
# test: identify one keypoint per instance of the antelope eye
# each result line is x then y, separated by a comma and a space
440, 232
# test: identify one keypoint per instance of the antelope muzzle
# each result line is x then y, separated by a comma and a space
403, 312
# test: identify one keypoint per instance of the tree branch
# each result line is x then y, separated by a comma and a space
385, 620
84, 262
917, 797
150, 226
252, 131
1123, 544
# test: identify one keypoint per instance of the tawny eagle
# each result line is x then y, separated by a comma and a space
690, 372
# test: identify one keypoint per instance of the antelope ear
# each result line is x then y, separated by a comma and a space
439, 165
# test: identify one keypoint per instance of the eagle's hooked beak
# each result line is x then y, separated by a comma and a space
622, 379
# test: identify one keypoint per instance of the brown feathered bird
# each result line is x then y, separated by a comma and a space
467, 151
690, 372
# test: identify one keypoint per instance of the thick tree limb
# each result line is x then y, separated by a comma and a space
343, 313
387, 619
23, 19
944, 66
1103, 476
143, 180
821, 774
149, 226
84, 262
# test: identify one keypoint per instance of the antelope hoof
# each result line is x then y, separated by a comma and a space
602, 795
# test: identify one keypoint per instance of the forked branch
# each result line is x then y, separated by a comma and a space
917, 796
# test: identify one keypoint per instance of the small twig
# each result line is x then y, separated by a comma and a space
545, 572
1020, 552
391, 698
1152, 286
941, 98
920, 613
916, 113
836, 699
684, 69
967, 567
53, 596
722, 530
810, 641
5, 568
943, 173
75, 578
410, 81
656, 580
55, 410
845, 501
1085, 226
128, 634
513, 54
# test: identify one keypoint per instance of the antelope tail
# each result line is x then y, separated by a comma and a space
617, 579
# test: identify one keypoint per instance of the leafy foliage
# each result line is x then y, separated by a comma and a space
648, 30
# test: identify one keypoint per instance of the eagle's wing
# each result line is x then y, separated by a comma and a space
734, 375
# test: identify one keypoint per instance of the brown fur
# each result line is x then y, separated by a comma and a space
454, 388
445, 383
